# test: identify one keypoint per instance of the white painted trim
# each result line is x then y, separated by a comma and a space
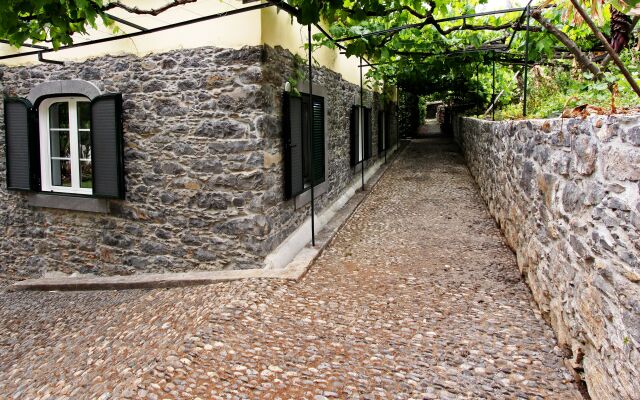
45, 148
301, 237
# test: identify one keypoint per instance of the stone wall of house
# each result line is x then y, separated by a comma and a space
193, 169
285, 217
566, 193
203, 166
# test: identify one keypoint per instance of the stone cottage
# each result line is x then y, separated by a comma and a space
177, 149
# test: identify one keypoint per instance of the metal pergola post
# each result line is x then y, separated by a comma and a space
361, 124
493, 85
478, 86
310, 118
526, 60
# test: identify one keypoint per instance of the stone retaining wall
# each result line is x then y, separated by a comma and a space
566, 194
203, 166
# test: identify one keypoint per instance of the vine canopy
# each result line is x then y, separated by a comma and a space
434, 46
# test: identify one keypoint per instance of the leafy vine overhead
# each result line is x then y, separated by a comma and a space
424, 45
56, 21
418, 44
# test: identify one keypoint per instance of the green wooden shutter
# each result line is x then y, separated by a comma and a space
107, 146
355, 128
292, 131
21, 141
387, 127
381, 132
367, 141
317, 138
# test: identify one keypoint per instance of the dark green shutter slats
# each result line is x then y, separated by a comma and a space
381, 135
297, 140
366, 132
387, 127
317, 137
355, 128
293, 174
107, 146
21, 145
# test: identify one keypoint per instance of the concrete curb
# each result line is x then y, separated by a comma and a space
295, 270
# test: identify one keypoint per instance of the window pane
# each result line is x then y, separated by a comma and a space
84, 115
86, 175
84, 145
60, 144
59, 116
61, 173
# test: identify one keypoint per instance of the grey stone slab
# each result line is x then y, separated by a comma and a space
65, 202
72, 86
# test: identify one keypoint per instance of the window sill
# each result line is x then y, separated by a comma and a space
305, 197
68, 202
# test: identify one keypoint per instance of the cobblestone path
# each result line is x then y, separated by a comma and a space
417, 298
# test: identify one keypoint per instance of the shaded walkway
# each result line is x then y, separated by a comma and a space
417, 297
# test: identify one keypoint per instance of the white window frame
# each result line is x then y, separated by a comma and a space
45, 146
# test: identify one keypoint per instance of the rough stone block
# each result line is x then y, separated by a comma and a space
586, 154
622, 163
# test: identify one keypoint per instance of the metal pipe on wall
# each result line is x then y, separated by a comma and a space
361, 113
526, 61
310, 118
493, 85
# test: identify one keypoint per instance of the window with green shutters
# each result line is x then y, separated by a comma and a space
65, 145
304, 147
384, 130
361, 142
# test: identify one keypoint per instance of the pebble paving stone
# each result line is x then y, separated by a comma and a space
417, 298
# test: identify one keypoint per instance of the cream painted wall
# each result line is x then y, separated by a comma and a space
233, 31
279, 29
266, 26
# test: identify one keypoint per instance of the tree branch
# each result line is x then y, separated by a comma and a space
584, 62
607, 46
154, 11
467, 27
384, 13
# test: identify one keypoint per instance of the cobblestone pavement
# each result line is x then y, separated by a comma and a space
417, 298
